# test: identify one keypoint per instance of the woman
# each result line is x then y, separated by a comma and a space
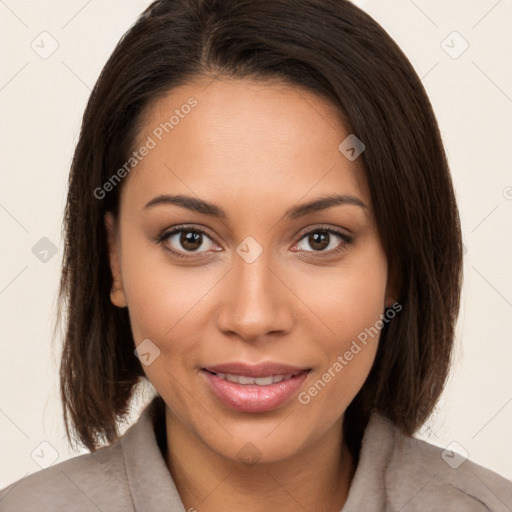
261, 223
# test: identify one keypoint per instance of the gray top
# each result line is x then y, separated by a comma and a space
394, 473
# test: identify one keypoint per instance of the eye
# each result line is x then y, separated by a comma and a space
182, 240
324, 240
186, 242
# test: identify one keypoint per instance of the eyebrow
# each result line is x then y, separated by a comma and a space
213, 210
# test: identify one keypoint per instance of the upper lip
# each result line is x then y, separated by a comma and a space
256, 370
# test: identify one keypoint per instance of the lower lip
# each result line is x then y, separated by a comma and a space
251, 397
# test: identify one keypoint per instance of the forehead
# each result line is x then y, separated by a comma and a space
260, 141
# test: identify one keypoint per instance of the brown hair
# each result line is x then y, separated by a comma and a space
336, 50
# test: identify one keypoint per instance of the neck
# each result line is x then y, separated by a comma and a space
317, 478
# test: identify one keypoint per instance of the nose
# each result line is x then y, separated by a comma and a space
255, 301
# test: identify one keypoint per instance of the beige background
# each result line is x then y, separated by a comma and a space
42, 99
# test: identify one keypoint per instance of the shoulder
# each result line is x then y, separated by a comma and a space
420, 475
88, 482
127, 475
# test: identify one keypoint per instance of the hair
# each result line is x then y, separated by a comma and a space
337, 51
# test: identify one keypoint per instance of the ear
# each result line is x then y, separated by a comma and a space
117, 295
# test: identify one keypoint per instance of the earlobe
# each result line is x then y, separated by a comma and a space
392, 290
390, 300
391, 297
117, 295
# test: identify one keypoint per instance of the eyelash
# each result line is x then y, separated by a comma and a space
347, 240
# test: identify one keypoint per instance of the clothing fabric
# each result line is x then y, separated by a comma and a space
394, 473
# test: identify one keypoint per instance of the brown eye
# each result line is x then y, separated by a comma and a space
187, 240
319, 240
191, 240
326, 241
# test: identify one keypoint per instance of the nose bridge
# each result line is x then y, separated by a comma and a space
254, 303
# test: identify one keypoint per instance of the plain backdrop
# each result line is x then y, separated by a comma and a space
461, 50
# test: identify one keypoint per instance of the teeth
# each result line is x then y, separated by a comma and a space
260, 381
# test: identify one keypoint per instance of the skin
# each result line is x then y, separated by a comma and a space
255, 149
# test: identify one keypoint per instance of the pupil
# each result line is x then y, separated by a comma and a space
319, 241
190, 240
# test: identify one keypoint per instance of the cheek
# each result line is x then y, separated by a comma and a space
346, 360
347, 298
350, 304
163, 298
162, 305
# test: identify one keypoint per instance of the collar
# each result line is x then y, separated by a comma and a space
151, 483
153, 488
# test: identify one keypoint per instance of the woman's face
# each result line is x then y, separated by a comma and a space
266, 290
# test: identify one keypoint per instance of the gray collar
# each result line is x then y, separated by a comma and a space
153, 488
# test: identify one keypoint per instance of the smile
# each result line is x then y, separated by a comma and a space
254, 389
259, 381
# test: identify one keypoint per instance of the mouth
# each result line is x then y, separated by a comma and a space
253, 389
246, 380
